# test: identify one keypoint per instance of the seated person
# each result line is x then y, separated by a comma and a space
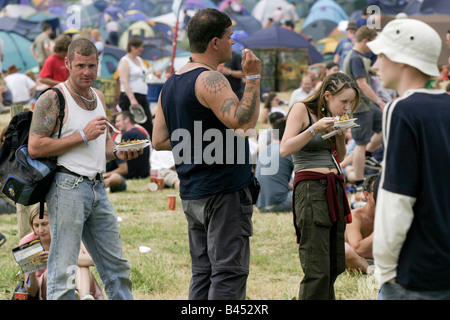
117, 170
265, 136
274, 174
359, 233
163, 166
87, 287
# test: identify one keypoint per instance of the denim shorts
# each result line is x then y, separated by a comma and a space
369, 122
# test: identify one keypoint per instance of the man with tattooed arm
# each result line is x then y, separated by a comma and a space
202, 121
78, 207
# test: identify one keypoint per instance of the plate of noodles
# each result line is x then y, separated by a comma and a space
132, 144
343, 121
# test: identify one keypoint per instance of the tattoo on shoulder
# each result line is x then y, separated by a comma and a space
45, 115
214, 82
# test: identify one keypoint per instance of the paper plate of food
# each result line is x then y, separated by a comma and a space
343, 121
132, 144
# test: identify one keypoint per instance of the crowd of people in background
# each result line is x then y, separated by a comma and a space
292, 139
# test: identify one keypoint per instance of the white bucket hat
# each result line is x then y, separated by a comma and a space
411, 42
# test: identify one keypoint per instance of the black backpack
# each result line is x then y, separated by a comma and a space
25, 180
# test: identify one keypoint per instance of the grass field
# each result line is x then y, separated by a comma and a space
163, 273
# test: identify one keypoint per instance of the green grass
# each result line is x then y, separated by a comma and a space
164, 272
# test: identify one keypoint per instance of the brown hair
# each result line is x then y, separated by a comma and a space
365, 32
82, 46
134, 42
335, 83
62, 44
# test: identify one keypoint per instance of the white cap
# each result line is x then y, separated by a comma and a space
411, 42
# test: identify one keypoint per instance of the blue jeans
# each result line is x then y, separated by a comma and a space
79, 209
394, 291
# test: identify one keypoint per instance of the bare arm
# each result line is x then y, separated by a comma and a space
44, 123
297, 121
49, 81
161, 138
214, 91
368, 91
124, 70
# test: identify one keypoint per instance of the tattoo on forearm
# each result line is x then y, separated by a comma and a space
246, 109
45, 115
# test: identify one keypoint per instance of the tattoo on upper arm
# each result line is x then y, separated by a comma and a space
45, 115
226, 106
214, 82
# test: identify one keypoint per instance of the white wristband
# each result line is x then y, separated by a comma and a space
253, 76
313, 133
84, 137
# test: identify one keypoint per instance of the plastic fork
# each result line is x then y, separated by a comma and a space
112, 127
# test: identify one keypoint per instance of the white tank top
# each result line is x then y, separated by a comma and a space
85, 160
136, 77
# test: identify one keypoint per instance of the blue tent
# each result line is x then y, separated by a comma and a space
278, 37
393, 7
110, 60
323, 17
435, 7
18, 25
17, 51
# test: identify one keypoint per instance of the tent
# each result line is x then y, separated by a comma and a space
245, 23
143, 29
17, 51
323, 17
111, 13
110, 60
18, 25
198, 4
263, 9
42, 16
393, 7
439, 22
285, 55
17, 10
278, 37
236, 5
435, 7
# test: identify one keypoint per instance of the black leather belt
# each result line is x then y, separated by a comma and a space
97, 177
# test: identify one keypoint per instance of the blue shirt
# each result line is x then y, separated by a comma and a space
344, 46
416, 165
274, 186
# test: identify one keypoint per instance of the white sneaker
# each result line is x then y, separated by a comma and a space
88, 296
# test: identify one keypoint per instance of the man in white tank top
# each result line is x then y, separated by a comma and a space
78, 207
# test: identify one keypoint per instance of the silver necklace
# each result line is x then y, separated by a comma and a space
76, 92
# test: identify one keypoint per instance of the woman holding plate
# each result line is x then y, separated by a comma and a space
319, 199
133, 87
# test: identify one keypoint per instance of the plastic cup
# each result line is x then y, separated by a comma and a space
20, 296
159, 182
172, 202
